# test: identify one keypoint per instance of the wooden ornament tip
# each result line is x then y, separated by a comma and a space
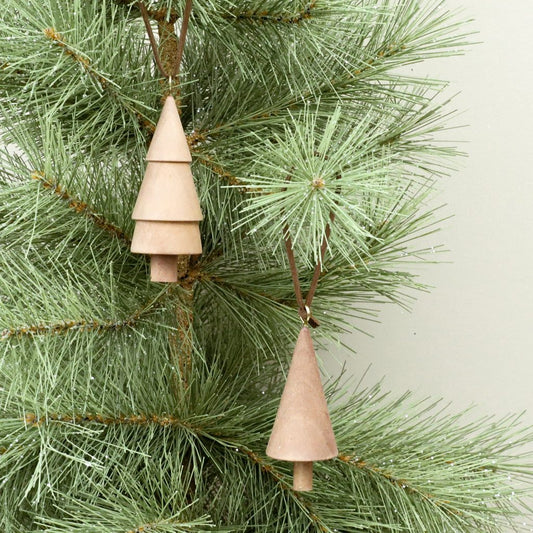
303, 476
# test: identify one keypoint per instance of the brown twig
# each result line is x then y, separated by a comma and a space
66, 326
33, 420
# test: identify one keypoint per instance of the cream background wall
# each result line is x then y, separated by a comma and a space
471, 339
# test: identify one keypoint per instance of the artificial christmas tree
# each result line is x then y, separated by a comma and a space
131, 406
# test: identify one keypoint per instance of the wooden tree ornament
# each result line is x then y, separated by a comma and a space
302, 431
167, 212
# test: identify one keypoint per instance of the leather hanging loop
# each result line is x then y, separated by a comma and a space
181, 44
304, 306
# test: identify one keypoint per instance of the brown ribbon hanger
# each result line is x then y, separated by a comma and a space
304, 306
181, 43
302, 432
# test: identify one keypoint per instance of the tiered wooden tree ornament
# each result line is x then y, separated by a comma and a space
302, 431
167, 212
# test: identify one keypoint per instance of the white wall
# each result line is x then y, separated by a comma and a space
471, 339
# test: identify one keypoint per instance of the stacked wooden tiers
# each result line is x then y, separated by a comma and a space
167, 212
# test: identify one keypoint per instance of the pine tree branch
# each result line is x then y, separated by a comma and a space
279, 478
400, 483
67, 326
357, 463
107, 85
223, 174
80, 58
168, 53
32, 420
181, 342
387, 51
195, 138
172, 15
264, 16
80, 207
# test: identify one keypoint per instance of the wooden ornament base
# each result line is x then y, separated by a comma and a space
303, 476
164, 268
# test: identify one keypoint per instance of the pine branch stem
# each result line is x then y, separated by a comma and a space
68, 326
32, 420
274, 18
181, 341
80, 207
223, 174
401, 483
181, 345
279, 478
80, 58
168, 52
107, 85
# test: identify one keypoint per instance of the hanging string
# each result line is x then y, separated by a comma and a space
318, 267
302, 311
304, 305
151, 37
183, 35
181, 43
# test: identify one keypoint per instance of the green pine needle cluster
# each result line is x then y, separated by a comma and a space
128, 406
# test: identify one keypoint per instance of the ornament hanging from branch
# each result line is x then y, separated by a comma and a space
167, 211
302, 431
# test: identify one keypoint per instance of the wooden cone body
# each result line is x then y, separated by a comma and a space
166, 238
167, 211
169, 142
302, 432
168, 194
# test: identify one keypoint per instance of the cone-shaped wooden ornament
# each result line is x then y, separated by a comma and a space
167, 212
302, 432
169, 142
168, 194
